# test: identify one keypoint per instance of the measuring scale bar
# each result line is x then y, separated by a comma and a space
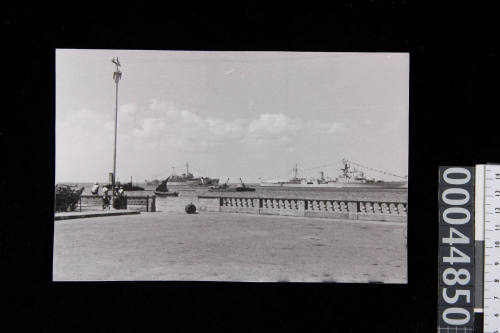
491, 232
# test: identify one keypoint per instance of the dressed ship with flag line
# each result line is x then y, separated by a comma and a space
349, 177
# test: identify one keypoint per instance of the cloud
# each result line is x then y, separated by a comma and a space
273, 124
335, 127
184, 129
162, 124
160, 128
273, 128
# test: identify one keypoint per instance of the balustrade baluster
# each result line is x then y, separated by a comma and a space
384, 209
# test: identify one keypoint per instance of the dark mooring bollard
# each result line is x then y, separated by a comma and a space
190, 208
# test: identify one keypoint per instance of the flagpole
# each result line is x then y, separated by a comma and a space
116, 76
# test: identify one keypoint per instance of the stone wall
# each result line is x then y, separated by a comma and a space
178, 204
334, 209
140, 203
89, 203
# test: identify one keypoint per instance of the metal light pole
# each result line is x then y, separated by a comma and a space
117, 75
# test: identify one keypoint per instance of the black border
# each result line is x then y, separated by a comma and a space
452, 93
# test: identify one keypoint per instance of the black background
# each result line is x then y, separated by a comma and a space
454, 120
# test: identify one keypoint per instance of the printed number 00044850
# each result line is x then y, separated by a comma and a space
456, 218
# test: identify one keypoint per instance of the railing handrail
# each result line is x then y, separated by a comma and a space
303, 199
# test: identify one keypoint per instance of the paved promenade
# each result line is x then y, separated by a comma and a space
103, 213
228, 247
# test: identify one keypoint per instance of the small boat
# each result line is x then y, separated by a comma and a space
244, 188
226, 188
162, 190
126, 186
220, 188
130, 187
166, 194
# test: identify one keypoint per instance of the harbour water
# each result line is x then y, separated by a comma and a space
356, 193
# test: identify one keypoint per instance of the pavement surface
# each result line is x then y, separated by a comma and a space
228, 247
79, 215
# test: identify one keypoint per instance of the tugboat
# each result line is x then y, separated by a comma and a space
226, 188
162, 190
220, 188
244, 188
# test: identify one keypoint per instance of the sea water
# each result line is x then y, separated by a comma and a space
354, 194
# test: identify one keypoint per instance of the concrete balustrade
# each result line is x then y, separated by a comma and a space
339, 209
382, 211
323, 208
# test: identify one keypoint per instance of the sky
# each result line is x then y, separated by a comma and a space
252, 115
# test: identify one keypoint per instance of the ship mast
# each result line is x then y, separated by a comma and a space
187, 168
346, 169
295, 171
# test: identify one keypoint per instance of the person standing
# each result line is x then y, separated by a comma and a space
121, 198
118, 198
95, 189
105, 198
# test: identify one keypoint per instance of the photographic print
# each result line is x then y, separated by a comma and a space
244, 166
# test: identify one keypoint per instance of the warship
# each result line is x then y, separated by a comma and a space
188, 179
349, 177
